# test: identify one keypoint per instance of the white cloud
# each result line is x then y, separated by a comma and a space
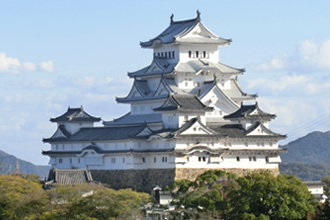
9, 64
47, 66
29, 66
13, 65
309, 55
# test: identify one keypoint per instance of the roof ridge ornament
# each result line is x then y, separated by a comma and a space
198, 18
172, 16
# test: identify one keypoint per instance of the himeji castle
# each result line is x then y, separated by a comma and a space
188, 114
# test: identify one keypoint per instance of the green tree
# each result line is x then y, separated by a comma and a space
262, 194
21, 198
205, 197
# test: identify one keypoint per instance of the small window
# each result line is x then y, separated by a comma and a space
199, 159
158, 54
113, 160
60, 160
173, 54
204, 159
155, 159
162, 54
238, 159
164, 159
204, 54
189, 54
267, 159
250, 158
143, 159
70, 160
254, 159
78, 160
169, 54
123, 159
197, 54
165, 54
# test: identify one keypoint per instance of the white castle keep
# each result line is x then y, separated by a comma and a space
187, 114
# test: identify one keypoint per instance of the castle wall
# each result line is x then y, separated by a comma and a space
146, 180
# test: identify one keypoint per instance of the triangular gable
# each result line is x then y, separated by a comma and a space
134, 93
162, 89
219, 100
59, 133
197, 128
199, 31
146, 131
260, 130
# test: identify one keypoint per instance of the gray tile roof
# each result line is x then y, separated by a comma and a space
244, 112
235, 92
197, 65
75, 115
101, 151
69, 177
102, 133
177, 29
135, 119
162, 64
183, 103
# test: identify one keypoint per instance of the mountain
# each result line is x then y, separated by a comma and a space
308, 157
8, 164
314, 148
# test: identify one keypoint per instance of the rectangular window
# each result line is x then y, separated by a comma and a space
70, 160
78, 160
173, 54
164, 159
169, 55
123, 159
162, 54
204, 159
237, 159
197, 54
199, 159
250, 158
155, 159
189, 54
267, 159
254, 159
143, 159
204, 54
60, 160
113, 160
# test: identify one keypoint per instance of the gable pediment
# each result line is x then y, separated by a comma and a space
154, 68
161, 90
197, 128
59, 134
260, 130
145, 132
199, 31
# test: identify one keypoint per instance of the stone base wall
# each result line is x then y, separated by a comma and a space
146, 180
191, 174
139, 180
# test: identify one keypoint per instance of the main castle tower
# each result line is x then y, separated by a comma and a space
187, 115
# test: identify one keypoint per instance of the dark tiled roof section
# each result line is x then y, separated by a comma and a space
70, 177
161, 62
183, 103
104, 133
175, 28
75, 115
245, 112
266, 129
100, 151
135, 119
63, 130
179, 29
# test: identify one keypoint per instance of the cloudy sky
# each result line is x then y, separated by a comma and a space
55, 54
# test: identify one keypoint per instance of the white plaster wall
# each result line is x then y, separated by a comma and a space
168, 48
211, 51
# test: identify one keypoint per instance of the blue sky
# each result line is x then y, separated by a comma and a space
55, 54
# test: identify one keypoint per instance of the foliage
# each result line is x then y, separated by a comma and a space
280, 197
25, 199
206, 194
21, 198
220, 195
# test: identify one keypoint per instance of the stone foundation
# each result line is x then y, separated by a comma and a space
191, 174
146, 180
139, 180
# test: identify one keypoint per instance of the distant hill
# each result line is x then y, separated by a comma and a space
308, 157
314, 148
8, 164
